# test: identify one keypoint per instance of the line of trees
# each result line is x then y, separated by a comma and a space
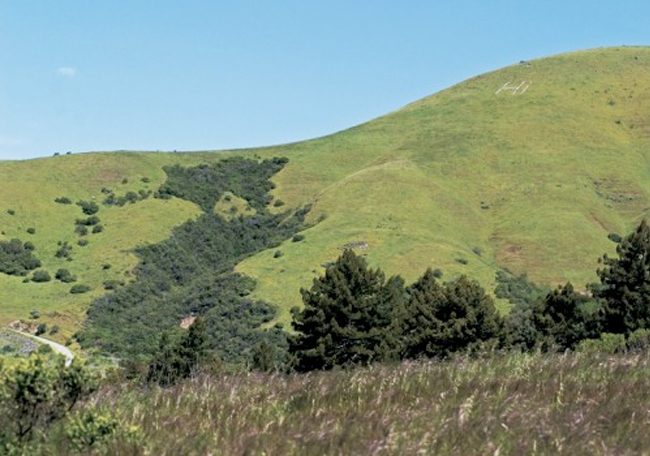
354, 315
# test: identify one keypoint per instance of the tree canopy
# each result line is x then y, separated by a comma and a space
626, 284
346, 317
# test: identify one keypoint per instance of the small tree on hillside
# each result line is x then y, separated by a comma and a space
626, 284
176, 361
347, 316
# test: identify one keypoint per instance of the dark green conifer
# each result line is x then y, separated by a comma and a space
440, 320
180, 360
626, 284
347, 316
562, 320
416, 322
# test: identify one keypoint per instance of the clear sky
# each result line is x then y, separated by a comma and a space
89, 75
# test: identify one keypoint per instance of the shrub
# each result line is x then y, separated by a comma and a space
278, 203
88, 207
41, 329
64, 276
110, 200
29, 246
131, 197
80, 288
11, 212
97, 229
82, 242
614, 237
34, 314
206, 183
37, 394
64, 250
31, 230
41, 276
113, 284
608, 343
297, 238
90, 221
90, 429
81, 230
278, 254
63, 200
54, 330
44, 349
639, 340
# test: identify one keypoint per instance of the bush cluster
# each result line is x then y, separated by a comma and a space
63, 200
192, 271
80, 288
64, 250
129, 197
205, 184
17, 258
88, 207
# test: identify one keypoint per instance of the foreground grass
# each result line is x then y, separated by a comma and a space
515, 404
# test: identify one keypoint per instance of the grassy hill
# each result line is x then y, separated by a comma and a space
529, 168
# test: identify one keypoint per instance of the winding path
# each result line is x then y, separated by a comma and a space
62, 350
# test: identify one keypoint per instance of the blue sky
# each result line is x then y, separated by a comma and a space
89, 75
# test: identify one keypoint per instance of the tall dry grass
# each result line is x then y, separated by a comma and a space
514, 404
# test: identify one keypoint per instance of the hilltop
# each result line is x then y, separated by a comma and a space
528, 168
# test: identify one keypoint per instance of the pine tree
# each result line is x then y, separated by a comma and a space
346, 317
561, 319
179, 360
626, 284
440, 320
417, 322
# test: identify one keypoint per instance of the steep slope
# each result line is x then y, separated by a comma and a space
529, 167
532, 166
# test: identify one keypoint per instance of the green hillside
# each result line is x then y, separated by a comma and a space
527, 168
533, 179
